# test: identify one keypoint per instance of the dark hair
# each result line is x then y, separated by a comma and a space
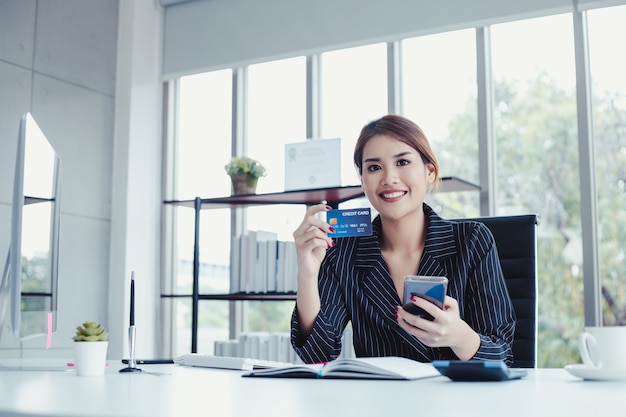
403, 130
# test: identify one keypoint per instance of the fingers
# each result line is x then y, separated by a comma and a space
312, 241
427, 306
312, 227
416, 324
450, 303
409, 320
424, 330
435, 333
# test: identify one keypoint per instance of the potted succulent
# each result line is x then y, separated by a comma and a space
90, 349
244, 173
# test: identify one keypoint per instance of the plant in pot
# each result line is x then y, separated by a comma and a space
244, 173
90, 349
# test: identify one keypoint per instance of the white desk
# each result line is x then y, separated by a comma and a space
195, 391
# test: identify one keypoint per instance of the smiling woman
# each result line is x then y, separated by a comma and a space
361, 279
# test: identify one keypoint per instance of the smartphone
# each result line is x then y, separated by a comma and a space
429, 288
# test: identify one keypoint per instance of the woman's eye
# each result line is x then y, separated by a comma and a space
402, 162
372, 168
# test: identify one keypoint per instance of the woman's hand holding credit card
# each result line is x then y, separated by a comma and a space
350, 222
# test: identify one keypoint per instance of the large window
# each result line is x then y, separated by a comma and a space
203, 148
537, 165
439, 94
277, 116
608, 66
354, 92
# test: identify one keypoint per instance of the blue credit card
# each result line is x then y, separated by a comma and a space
350, 222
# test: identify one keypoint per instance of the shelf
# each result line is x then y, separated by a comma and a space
240, 296
34, 200
269, 296
333, 196
455, 184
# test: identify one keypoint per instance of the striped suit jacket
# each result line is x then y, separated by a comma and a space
355, 285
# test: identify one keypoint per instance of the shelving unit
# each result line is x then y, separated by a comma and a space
332, 196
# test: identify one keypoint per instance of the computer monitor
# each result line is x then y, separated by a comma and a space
28, 290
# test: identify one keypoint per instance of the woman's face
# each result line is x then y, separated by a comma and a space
394, 179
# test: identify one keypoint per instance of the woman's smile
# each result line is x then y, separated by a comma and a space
392, 195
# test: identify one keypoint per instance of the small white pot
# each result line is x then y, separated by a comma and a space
90, 358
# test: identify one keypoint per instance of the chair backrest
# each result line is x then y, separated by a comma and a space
516, 240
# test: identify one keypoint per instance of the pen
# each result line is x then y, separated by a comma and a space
132, 365
132, 298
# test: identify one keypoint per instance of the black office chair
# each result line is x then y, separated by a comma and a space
516, 240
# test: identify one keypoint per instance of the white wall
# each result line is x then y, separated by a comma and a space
205, 35
137, 199
59, 60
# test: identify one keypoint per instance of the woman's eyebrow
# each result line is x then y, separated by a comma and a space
401, 154
398, 155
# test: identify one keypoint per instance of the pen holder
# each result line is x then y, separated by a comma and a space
132, 365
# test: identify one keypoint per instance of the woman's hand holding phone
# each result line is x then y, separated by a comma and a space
439, 332
429, 288
437, 322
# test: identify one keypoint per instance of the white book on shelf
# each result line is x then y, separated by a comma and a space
280, 266
254, 344
260, 268
280, 344
264, 238
291, 267
272, 253
235, 263
245, 348
247, 261
264, 346
226, 348
273, 349
231, 348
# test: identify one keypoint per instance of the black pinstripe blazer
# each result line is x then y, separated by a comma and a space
355, 285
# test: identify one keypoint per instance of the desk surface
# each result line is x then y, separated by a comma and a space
196, 391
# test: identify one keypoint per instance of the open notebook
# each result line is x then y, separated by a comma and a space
389, 367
